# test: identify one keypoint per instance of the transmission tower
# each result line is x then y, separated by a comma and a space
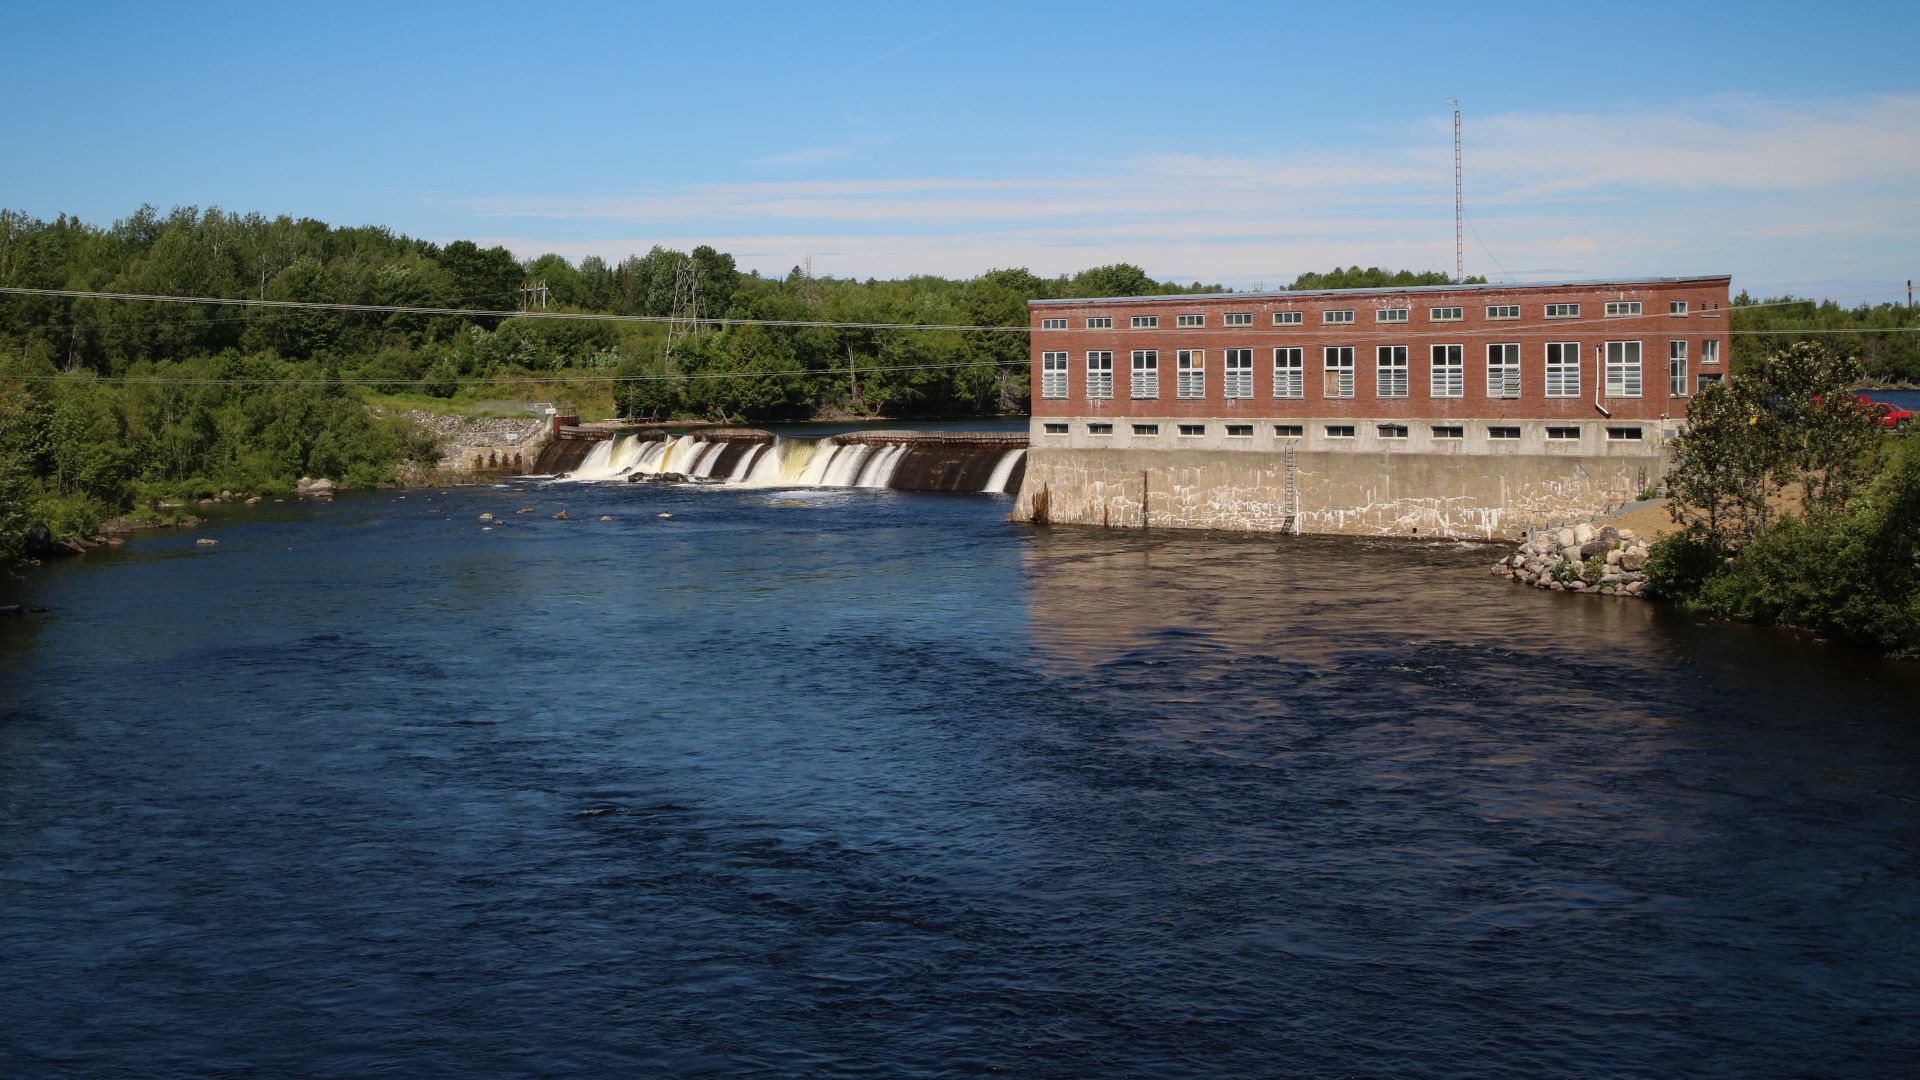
1459, 207
684, 320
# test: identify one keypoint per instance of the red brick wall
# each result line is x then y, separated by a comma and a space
1707, 302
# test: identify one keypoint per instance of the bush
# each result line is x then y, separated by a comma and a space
1680, 564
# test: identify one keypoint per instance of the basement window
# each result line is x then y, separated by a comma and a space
1288, 431
1193, 430
1055, 429
1449, 431
1563, 433
1623, 434
1392, 431
1099, 429
1339, 431
1239, 431
1504, 433
1146, 429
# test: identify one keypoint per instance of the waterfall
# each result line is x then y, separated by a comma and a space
744, 467
1003, 471
878, 471
845, 465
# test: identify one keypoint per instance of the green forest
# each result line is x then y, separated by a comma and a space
110, 404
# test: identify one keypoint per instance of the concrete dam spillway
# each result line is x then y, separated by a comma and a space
742, 457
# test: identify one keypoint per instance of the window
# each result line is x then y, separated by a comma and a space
1238, 381
1623, 434
1286, 318
1146, 322
1099, 375
1707, 380
1563, 433
1617, 308
1146, 374
1146, 429
1053, 324
1563, 369
1190, 320
1193, 429
1239, 431
1677, 368
1056, 429
1503, 434
1563, 311
1390, 376
1190, 378
1623, 369
1446, 314
1676, 307
1710, 352
1390, 314
1099, 429
1053, 375
1339, 431
1503, 371
1289, 373
1344, 316
1503, 311
1288, 431
1449, 431
1391, 431
1100, 322
1238, 318
1338, 360
1449, 378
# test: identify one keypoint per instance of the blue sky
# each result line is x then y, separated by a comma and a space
1241, 143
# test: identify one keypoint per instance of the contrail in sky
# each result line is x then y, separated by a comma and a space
890, 52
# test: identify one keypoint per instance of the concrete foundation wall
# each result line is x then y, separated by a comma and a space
1468, 496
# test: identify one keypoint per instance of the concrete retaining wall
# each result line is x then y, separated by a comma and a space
1469, 496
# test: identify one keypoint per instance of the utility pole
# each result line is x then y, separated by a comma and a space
1459, 207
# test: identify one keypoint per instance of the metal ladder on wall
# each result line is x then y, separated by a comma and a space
1290, 522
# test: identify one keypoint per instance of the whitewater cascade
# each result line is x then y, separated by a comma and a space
901, 461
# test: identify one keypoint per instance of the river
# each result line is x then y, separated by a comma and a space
874, 783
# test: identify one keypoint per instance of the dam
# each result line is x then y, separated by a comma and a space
952, 461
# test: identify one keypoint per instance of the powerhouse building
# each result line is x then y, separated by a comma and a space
1463, 410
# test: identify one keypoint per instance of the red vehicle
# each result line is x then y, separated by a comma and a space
1886, 414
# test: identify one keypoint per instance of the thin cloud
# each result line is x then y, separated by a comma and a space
890, 52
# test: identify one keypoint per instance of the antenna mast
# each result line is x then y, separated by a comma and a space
1459, 207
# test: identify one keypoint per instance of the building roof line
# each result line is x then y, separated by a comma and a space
1389, 290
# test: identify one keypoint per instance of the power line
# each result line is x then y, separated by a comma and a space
540, 380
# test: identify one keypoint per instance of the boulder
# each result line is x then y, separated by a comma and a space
1582, 533
562, 516
225, 494
39, 541
664, 514
606, 517
205, 542
1594, 547
1633, 562
207, 502
1626, 534
251, 499
1607, 532
322, 487
1613, 557
486, 517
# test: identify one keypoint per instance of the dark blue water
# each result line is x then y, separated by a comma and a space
1905, 399
841, 783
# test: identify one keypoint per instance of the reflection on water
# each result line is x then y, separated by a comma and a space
862, 782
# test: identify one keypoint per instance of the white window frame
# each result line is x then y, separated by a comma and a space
1239, 431
1562, 369
1709, 351
1288, 318
1055, 379
1100, 375
1190, 374
1146, 431
1237, 318
1189, 320
1053, 324
1099, 322
1337, 317
1340, 431
1390, 371
1190, 431
1622, 309
1145, 322
1676, 307
1290, 372
1503, 370
1391, 314
1677, 368
1336, 371
1503, 312
1446, 314
1289, 431
1448, 375
1236, 373
1449, 432
1143, 381
1562, 311
1622, 361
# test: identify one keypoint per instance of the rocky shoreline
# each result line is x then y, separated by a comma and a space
1580, 558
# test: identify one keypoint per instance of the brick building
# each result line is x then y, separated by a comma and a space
1563, 372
